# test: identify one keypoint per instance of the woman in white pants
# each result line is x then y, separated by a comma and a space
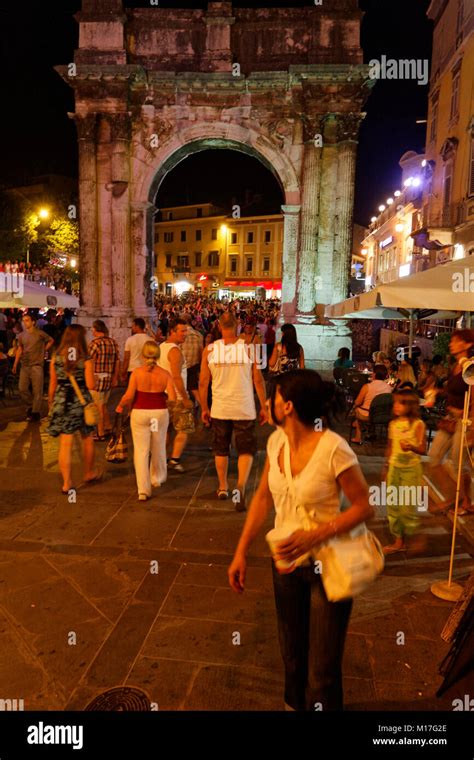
148, 391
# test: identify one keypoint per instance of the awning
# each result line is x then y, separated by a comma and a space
421, 239
444, 288
267, 284
34, 296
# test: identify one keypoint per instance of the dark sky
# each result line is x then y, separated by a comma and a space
37, 137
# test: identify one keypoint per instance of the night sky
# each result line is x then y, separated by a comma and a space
38, 138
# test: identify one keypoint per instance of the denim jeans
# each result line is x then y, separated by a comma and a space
312, 633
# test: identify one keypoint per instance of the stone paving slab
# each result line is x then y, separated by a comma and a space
86, 568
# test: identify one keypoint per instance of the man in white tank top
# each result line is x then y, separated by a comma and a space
234, 372
172, 360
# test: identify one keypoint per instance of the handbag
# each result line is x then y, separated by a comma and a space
448, 424
91, 411
349, 563
117, 448
276, 369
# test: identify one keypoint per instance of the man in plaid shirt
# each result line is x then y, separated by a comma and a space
192, 352
105, 354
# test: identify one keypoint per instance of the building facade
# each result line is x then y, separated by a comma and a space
199, 247
448, 212
430, 218
389, 248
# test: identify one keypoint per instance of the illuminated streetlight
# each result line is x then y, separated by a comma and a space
389, 201
43, 213
373, 219
382, 207
397, 193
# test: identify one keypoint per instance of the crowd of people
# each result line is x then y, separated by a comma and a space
411, 387
47, 274
204, 363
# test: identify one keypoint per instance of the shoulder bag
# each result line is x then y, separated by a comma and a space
349, 563
448, 424
117, 447
276, 369
91, 412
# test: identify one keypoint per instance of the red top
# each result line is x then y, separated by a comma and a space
149, 400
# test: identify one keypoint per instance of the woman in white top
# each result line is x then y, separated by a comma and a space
321, 466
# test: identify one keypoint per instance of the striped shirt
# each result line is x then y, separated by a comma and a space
104, 352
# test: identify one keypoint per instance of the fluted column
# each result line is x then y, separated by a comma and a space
326, 228
141, 258
86, 131
104, 216
307, 259
291, 222
121, 256
348, 127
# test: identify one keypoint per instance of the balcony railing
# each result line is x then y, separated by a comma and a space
447, 217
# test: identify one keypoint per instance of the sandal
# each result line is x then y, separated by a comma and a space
222, 494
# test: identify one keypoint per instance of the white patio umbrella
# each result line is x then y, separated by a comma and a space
443, 291
25, 293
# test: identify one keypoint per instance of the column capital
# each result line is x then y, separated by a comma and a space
348, 125
86, 125
313, 124
291, 210
120, 126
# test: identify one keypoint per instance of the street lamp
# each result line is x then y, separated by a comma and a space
43, 213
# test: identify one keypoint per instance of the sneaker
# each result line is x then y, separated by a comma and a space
174, 465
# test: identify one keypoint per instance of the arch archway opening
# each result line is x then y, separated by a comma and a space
220, 202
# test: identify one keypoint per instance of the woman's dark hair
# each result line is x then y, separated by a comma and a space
289, 340
313, 398
466, 335
344, 353
380, 372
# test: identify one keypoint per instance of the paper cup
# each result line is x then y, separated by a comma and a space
275, 537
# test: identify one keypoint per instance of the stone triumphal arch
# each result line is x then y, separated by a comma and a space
152, 85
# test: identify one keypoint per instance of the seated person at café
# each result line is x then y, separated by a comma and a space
344, 360
366, 395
